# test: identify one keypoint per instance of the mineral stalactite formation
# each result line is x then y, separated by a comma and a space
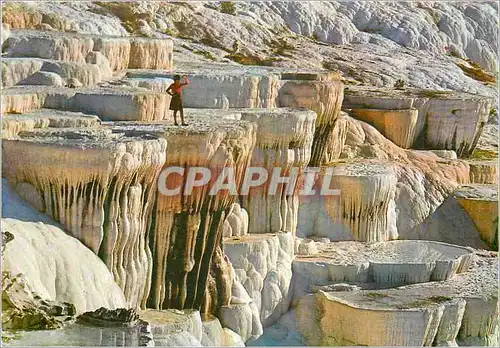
122, 229
186, 229
102, 192
446, 119
322, 93
365, 208
284, 140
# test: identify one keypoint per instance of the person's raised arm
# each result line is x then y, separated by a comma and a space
186, 81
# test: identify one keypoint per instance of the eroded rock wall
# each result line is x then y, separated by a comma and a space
54, 265
101, 192
322, 95
121, 52
284, 141
446, 120
190, 270
421, 182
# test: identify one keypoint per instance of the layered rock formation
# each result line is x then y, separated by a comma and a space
12, 124
166, 249
396, 125
446, 120
423, 181
262, 288
219, 86
23, 71
216, 88
102, 193
364, 208
322, 93
387, 264
408, 326
481, 204
122, 53
189, 268
284, 140
131, 104
444, 313
335, 142
174, 328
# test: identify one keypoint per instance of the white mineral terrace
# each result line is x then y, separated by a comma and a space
121, 52
386, 264
438, 313
37, 71
12, 124
363, 210
254, 87
447, 119
103, 174
386, 257
133, 104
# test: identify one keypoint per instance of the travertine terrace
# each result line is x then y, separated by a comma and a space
445, 120
92, 246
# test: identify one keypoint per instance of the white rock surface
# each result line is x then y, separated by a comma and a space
372, 43
379, 46
127, 104
392, 263
207, 142
446, 120
212, 335
111, 223
364, 208
262, 263
307, 247
236, 223
17, 69
210, 87
232, 339
284, 140
12, 124
242, 319
133, 53
419, 303
44, 78
424, 181
173, 328
55, 265
65, 18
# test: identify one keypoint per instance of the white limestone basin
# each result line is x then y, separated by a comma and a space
386, 263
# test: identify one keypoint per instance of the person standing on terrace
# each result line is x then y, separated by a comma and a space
176, 103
